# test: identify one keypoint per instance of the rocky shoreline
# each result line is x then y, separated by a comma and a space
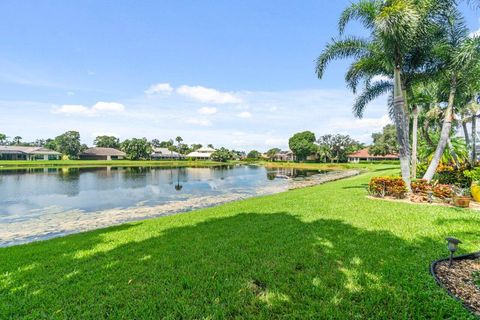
322, 178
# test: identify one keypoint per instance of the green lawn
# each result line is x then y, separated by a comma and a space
320, 252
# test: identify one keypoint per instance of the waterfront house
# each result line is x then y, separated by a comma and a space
165, 154
286, 155
28, 153
203, 153
102, 154
364, 155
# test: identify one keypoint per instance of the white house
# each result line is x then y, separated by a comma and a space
364, 155
28, 153
98, 153
203, 153
165, 154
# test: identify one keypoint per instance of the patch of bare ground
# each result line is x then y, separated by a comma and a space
414, 199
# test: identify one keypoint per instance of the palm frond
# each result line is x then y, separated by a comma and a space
340, 49
370, 93
467, 53
398, 21
365, 69
363, 11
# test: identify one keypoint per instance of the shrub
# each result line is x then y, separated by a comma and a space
442, 191
421, 186
448, 174
473, 175
387, 186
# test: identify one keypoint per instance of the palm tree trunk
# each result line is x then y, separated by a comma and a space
474, 140
426, 135
444, 134
465, 132
414, 141
453, 153
401, 123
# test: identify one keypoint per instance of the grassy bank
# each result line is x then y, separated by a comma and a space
6, 164
326, 166
319, 252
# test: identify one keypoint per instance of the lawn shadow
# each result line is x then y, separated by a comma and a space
248, 265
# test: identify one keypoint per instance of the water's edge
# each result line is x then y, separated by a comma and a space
75, 221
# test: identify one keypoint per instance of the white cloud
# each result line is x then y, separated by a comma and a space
208, 95
365, 123
96, 134
81, 110
322, 111
381, 78
474, 34
160, 88
275, 142
244, 115
199, 122
73, 109
207, 110
108, 107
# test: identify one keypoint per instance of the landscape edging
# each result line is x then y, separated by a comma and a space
473, 255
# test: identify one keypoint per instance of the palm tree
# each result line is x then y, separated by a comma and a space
179, 140
272, 153
3, 139
459, 54
395, 28
16, 140
456, 152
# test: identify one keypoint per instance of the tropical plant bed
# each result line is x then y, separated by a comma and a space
394, 188
416, 199
461, 280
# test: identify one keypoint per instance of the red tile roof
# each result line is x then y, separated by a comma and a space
363, 153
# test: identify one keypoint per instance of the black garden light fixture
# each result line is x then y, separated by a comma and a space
452, 245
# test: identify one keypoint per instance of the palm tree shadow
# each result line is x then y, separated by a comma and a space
246, 266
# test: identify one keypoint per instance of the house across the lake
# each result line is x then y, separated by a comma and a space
165, 154
28, 153
102, 154
203, 153
286, 155
364, 155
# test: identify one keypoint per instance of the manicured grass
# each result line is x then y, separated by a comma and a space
319, 252
9, 165
328, 166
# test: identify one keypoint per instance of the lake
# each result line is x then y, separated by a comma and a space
47, 202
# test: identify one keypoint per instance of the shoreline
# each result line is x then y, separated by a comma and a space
57, 223
54, 164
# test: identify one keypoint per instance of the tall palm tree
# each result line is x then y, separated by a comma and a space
395, 28
459, 54
467, 100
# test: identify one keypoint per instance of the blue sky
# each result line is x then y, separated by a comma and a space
238, 74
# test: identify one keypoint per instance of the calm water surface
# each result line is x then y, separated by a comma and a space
43, 203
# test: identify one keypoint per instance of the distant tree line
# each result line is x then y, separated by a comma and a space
70, 146
327, 148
